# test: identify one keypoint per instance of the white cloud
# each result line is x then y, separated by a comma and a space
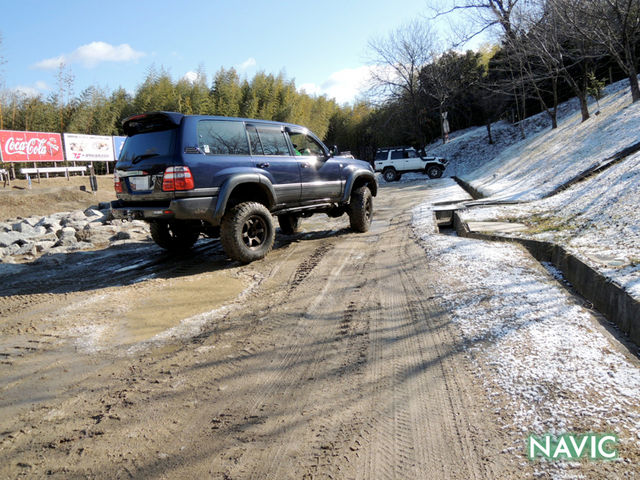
26, 91
92, 54
31, 91
343, 85
248, 63
191, 77
40, 85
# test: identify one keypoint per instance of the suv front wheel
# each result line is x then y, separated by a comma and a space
247, 232
361, 209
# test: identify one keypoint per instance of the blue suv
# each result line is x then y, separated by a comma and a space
188, 175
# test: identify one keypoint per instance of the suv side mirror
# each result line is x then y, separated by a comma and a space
333, 151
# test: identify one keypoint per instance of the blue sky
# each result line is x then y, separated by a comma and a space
321, 45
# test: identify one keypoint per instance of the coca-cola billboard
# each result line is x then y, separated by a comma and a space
30, 147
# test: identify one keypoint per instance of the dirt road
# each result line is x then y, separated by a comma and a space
331, 358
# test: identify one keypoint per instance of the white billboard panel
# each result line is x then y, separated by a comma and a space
88, 148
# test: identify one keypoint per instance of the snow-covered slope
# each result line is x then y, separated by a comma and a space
530, 168
597, 219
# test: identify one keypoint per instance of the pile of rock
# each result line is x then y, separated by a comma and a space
66, 232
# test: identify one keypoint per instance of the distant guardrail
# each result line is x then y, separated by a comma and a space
47, 170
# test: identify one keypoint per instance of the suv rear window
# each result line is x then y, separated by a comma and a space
220, 137
147, 145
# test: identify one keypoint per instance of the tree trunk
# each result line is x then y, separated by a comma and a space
633, 82
489, 132
584, 107
554, 114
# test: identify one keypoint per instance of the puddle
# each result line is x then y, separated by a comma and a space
151, 311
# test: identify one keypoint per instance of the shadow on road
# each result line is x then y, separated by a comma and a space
124, 265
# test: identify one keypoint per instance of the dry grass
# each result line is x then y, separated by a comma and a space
52, 195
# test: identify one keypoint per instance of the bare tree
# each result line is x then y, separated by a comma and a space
483, 15
447, 76
503, 16
2, 62
614, 25
397, 60
540, 49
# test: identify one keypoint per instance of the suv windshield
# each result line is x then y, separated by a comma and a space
147, 145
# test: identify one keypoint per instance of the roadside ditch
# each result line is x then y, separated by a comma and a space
607, 297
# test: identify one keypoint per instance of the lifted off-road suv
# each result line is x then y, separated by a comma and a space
191, 175
394, 161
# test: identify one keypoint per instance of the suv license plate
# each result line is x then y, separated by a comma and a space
140, 183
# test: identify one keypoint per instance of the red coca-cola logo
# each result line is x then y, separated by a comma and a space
35, 146
32, 146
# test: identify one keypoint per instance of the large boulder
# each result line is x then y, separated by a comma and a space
9, 238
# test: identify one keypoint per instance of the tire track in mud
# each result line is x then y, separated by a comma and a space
336, 366
419, 423
296, 372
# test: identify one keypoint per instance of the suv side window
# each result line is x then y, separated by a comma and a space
220, 137
273, 141
382, 155
254, 140
305, 145
397, 154
412, 154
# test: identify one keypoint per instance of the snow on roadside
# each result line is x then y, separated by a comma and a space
542, 358
596, 220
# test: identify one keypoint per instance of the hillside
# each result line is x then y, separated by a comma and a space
598, 218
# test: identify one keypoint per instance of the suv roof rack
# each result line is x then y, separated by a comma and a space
400, 147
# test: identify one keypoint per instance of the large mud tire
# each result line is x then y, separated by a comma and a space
247, 232
361, 209
174, 236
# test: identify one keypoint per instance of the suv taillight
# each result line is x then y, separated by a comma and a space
177, 178
117, 183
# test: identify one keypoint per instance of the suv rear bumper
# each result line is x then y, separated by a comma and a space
197, 208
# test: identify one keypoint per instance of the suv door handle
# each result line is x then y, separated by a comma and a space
263, 165
305, 165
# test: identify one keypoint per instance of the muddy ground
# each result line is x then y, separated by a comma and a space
330, 358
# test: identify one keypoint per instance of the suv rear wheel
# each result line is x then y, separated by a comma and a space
247, 232
173, 235
434, 172
289, 223
361, 209
390, 174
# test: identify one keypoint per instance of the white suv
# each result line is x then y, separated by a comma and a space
394, 161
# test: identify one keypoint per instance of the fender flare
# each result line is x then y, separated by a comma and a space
368, 177
260, 181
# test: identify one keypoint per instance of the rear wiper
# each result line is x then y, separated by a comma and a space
139, 158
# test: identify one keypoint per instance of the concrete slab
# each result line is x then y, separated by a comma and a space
608, 260
500, 227
445, 191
